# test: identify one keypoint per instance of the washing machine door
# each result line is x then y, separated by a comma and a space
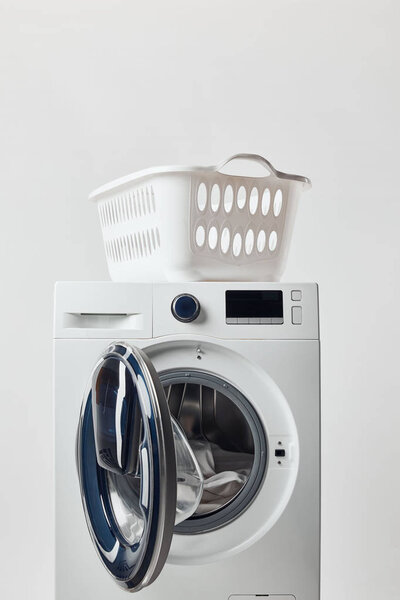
126, 466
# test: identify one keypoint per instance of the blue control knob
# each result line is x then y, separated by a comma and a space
185, 308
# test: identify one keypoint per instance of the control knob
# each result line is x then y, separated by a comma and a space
185, 308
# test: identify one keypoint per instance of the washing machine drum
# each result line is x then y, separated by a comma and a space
156, 455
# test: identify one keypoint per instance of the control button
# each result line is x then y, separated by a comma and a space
254, 320
243, 320
296, 295
185, 308
231, 320
265, 320
296, 315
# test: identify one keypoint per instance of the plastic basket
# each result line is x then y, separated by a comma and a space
197, 223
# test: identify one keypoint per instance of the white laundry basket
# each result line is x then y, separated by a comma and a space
197, 223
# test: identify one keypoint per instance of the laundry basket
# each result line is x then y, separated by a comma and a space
198, 223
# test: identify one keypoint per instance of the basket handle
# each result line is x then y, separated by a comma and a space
255, 157
265, 163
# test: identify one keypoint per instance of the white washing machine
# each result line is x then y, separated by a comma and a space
187, 432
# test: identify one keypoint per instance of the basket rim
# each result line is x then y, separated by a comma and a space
121, 182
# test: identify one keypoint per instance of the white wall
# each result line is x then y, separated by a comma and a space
93, 90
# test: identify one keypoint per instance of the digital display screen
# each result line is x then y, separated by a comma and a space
254, 303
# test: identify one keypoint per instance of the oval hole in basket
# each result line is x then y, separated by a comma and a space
261, 240
277, 202
237, 244
225, 240
273, 239
241, 197
265, 202
253, 201
215, 197
249, 242
202, 196
200, 236
228, 198
213, 238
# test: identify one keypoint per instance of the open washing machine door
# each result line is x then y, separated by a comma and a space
138, 475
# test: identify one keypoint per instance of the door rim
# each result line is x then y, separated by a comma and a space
241, 502
162, 473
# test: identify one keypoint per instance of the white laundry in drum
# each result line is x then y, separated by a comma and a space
221, 484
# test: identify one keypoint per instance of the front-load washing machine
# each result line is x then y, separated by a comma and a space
187, 432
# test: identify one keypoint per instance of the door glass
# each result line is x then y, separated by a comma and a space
124, 492
189, 478
127, 467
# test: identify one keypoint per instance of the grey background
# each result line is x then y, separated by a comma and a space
94, 90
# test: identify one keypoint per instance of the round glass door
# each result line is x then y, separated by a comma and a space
127, 467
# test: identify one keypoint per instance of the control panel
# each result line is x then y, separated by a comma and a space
225, 310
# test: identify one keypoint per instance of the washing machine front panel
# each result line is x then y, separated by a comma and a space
126, 466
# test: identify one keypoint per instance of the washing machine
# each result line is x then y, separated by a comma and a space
187, 438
